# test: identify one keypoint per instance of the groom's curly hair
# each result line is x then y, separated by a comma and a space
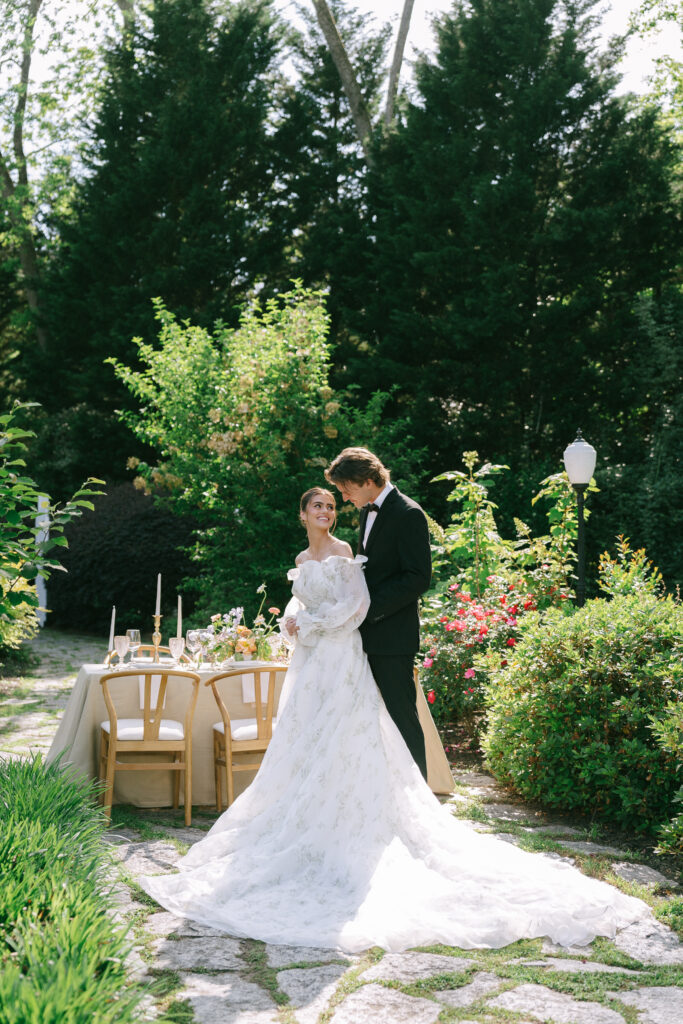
356, 465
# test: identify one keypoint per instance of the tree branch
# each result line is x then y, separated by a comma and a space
359, 110
22, 94
392, 90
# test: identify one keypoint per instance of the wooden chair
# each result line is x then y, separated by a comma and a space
151, 733
238, 736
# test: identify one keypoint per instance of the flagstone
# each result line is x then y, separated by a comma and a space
164, 924
375, 1004
282, 956
593, 849
152, 857
642, 874
482, 984
409, 967
545, 1004
554, 830
660, 1005
576, 966
226, 999
651, 942
511, 812
310, 989
203, 952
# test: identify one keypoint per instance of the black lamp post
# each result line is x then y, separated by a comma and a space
579, 461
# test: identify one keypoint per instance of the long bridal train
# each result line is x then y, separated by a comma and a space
339, 842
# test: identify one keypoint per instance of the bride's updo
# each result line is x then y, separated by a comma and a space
311, 493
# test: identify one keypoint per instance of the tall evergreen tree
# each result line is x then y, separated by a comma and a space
519, 208
175, 204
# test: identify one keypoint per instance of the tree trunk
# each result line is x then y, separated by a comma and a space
359, 111
17, 195
127, 8
392, 90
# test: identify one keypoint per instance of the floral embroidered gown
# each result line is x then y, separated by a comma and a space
340, 843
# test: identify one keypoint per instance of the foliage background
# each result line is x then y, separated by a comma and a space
500, 265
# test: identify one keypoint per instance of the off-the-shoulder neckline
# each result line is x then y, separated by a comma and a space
358, 559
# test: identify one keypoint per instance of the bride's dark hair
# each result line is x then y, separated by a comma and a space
310, 494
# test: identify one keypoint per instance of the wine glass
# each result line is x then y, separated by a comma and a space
176, 645
121, 644
193, 642
134, 640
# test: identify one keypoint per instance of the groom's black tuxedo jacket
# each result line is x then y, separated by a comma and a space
398, 570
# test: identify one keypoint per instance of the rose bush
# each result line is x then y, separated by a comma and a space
486, 585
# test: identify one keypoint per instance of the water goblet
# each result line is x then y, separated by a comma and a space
121, 644
134, 640
193, 643
176, 645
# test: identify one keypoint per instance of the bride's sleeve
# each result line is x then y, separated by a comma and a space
343, 613
294, 606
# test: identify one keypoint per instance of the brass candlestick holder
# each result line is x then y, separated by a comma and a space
156, 636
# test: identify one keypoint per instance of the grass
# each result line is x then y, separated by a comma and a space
61, 952
260, 972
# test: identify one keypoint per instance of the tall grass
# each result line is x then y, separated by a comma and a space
62, 956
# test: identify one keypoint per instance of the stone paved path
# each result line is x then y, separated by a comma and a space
200, 975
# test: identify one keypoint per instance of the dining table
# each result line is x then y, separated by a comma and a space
76, 741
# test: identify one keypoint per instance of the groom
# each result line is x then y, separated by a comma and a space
395, 538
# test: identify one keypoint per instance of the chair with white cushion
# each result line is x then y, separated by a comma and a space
150, 733
238, 736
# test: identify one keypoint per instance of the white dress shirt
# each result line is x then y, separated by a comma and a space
373, 515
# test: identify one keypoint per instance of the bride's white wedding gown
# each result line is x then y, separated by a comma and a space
339, 842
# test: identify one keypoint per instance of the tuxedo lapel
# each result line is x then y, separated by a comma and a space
384, 515
361, 530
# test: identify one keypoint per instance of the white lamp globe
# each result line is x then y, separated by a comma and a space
579, 461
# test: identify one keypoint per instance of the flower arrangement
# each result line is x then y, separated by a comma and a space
228, 638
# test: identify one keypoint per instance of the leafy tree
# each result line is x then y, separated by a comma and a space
244, 421
519, 208
180, 166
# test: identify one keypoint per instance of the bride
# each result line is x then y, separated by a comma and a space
339, 842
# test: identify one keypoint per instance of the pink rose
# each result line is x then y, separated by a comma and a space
469, 674
428, 662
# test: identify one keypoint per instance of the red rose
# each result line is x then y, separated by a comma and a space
503, 663
511, 642
431, 696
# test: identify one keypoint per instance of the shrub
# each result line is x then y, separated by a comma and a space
62, 958
667, 727
115, 553
26, 548
569, 718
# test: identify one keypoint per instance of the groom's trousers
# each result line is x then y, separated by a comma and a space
394, 677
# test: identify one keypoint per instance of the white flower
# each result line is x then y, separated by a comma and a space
261, 589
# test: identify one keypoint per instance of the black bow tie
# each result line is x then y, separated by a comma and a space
372, 507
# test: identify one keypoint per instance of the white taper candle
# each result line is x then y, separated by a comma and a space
179, 631
157, 610
112, 628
